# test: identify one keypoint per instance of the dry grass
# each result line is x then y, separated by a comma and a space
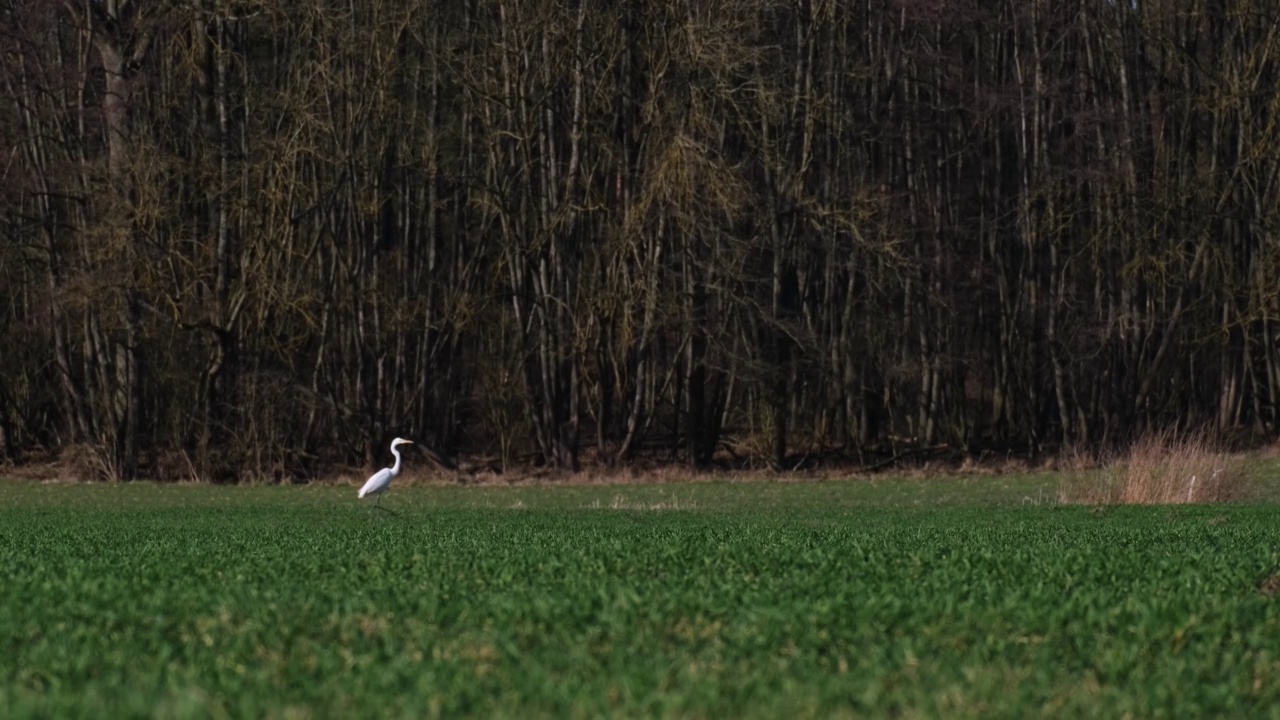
83, 462
620, 502
1160, 468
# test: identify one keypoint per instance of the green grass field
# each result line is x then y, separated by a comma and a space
949, 598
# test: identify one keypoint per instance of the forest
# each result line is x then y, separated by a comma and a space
241, 237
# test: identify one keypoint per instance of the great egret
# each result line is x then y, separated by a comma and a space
381, 480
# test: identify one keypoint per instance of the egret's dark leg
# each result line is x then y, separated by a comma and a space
379, 506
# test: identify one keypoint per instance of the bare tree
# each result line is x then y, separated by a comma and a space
243, 238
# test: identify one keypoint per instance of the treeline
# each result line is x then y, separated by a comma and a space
242, 235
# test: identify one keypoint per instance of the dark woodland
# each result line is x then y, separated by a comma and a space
241, 237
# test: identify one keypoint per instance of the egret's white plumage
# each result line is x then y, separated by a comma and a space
381, 480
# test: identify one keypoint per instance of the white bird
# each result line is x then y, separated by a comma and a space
381, 480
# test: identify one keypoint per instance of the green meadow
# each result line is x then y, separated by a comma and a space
944, 598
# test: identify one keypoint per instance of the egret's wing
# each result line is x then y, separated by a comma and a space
377, 483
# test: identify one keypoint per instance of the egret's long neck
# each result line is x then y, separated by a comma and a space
395, 469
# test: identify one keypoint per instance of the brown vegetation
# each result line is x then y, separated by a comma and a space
1270, 586
258, 240
1160, 467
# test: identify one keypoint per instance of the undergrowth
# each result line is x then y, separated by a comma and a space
1161, 467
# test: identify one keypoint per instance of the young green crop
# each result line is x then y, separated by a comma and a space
750, 601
